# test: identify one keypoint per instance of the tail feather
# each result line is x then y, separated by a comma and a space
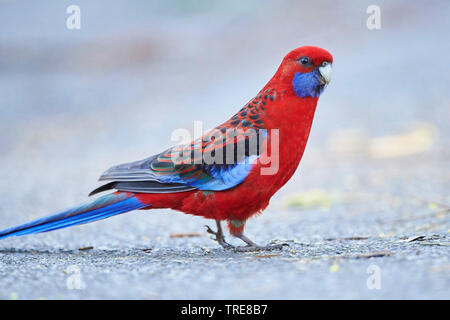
101, 208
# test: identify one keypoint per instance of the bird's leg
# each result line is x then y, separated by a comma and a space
236, 229
219, 235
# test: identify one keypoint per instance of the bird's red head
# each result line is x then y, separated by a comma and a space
306, 70
315, 56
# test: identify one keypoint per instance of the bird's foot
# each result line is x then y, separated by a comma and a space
251, 246
219, 237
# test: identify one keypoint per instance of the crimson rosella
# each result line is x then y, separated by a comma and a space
228, 174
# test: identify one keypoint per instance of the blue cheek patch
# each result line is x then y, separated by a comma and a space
307, 84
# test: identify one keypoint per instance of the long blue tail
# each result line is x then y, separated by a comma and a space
101, 208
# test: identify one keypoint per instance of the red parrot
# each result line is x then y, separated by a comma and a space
231, 172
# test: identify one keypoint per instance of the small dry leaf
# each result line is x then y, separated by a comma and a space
372, 255
185, 235
86, 248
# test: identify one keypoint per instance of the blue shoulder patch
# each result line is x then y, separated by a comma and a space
226, 177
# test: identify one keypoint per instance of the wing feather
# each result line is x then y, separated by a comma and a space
218, 161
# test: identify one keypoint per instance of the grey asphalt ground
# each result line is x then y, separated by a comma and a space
330, 254
366, 215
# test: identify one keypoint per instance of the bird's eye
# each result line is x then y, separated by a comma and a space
304, 61
325, 63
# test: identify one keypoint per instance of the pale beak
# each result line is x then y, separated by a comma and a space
325, 71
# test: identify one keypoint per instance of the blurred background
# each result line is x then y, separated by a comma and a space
75, 102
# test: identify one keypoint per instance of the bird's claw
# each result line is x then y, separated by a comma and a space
251, 246
209, 230
219, 238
